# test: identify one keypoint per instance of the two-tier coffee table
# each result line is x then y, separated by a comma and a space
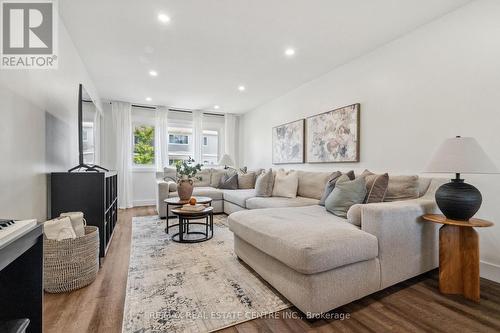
186, 220
458, 255
177, 202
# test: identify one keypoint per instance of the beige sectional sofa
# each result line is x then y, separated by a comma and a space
309, 192
317, 260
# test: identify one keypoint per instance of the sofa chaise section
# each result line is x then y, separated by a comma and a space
286, 247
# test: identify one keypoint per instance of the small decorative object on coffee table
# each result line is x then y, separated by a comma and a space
177, 202
186, 173
458, 255
185, 221
457, 199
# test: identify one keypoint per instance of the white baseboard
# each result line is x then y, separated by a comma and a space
490, 271
140, 203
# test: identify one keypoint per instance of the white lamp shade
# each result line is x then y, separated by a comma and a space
461, 155
226, 160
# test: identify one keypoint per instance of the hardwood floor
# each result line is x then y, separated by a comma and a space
412, 306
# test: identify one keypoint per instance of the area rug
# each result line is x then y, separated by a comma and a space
200, 287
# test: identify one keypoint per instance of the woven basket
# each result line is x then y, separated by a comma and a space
71, 264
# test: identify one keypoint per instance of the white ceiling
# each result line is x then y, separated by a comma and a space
210, 47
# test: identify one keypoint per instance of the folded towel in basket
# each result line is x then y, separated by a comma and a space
77, 221
59, 228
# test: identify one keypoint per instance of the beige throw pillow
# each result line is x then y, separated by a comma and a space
286, 184
246, 180
264, 184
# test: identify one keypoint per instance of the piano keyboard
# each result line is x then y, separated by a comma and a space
10, 230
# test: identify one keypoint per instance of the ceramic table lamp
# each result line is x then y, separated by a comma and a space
457, 199
226, 161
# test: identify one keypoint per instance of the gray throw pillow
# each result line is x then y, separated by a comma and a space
331, 185
345, 194
264, 184
229, 182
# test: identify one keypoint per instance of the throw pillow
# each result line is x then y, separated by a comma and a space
264, 184
402, 188
376, 186
216, 177
345, 194
286, 184
229, 182
246, 180
331, 185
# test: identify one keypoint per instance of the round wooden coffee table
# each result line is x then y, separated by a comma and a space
185, 221
177, 202
458, 255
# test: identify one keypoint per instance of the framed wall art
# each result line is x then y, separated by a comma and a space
288, 143
333, 136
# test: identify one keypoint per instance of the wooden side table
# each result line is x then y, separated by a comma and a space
459, 255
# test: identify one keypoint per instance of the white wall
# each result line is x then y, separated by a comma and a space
439, 81
39, 129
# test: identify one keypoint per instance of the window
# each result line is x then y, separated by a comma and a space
180, 145
144, 145
212, 138
178, 139
88, 142
210, 147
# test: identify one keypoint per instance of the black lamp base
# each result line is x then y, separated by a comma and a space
458, 200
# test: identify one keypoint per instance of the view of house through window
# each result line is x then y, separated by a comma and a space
180, 144
88, 142
144, 146
210, 147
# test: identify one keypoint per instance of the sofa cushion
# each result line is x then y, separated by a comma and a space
205, 175
307, 239
204, 191
402, 188
238, 197
312, 184
278, 202
285, 184
264, 184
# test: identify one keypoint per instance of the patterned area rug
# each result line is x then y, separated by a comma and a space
198, 287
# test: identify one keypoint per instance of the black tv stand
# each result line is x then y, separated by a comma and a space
87, 168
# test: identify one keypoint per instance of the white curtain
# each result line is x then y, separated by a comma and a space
230, 138
122, 119
197, 135
161, 138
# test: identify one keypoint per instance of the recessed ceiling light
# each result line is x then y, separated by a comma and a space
163, 18
289, 52
216, 107
153, 73
149, 99
242, 88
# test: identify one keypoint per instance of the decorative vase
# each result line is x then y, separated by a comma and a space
185, 189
